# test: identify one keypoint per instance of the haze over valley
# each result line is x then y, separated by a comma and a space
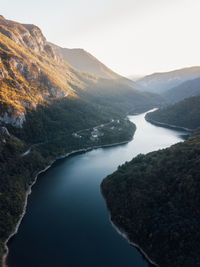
99, 145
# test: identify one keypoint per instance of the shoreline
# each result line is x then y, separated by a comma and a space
124, 234
169, 126
28, 192
120, 230
21, 216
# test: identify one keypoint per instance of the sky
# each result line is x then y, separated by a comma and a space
129, 36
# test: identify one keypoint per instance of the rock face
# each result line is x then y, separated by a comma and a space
5, 131
27, 35
4, 135
16, 119
31, 72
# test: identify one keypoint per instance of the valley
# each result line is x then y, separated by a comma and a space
69, 125
43, 101
67, 198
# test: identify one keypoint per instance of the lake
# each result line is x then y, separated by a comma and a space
66, 223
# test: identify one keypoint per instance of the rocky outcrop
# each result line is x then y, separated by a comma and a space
28, 69
27, 35
15, 120
32, 74
4, 134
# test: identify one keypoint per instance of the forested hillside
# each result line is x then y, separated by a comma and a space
44, 103
34, 77
185, 113
155, 200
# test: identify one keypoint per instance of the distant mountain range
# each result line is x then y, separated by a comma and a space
154, 198
44, 101
184, 90
32, 73
49, 94
161, 82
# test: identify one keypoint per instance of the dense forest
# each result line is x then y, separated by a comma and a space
155, 200
49, 109
182, 114
48, 133
44, 103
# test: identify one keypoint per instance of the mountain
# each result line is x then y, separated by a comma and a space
181, 114
155, 200
44, 105
32, 74
84, 61
184, 90
161, 82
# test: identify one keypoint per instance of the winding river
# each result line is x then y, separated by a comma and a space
66, 223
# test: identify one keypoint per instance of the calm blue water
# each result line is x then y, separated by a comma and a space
67, 224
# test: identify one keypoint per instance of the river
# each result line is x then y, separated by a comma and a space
66, 223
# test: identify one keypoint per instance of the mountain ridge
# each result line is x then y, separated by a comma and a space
160, 82
186, 89
44, 102
33, 73
86, 62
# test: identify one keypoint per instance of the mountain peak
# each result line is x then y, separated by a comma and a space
26, 35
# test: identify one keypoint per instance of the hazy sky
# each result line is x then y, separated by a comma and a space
129, 36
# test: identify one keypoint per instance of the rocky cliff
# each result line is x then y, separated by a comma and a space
31, 72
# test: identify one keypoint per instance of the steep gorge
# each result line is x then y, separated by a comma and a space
43, 101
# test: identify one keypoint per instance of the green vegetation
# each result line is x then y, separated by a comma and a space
43, 101
17, 173
49, 132
155, 199
31, 75
182, 114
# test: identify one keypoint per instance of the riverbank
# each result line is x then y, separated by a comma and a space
35, 161
168, 126
154, 199
124, 234
121, 231
21, 217
78, 151
70, 189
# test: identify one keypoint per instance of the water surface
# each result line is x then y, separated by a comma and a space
67, 224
